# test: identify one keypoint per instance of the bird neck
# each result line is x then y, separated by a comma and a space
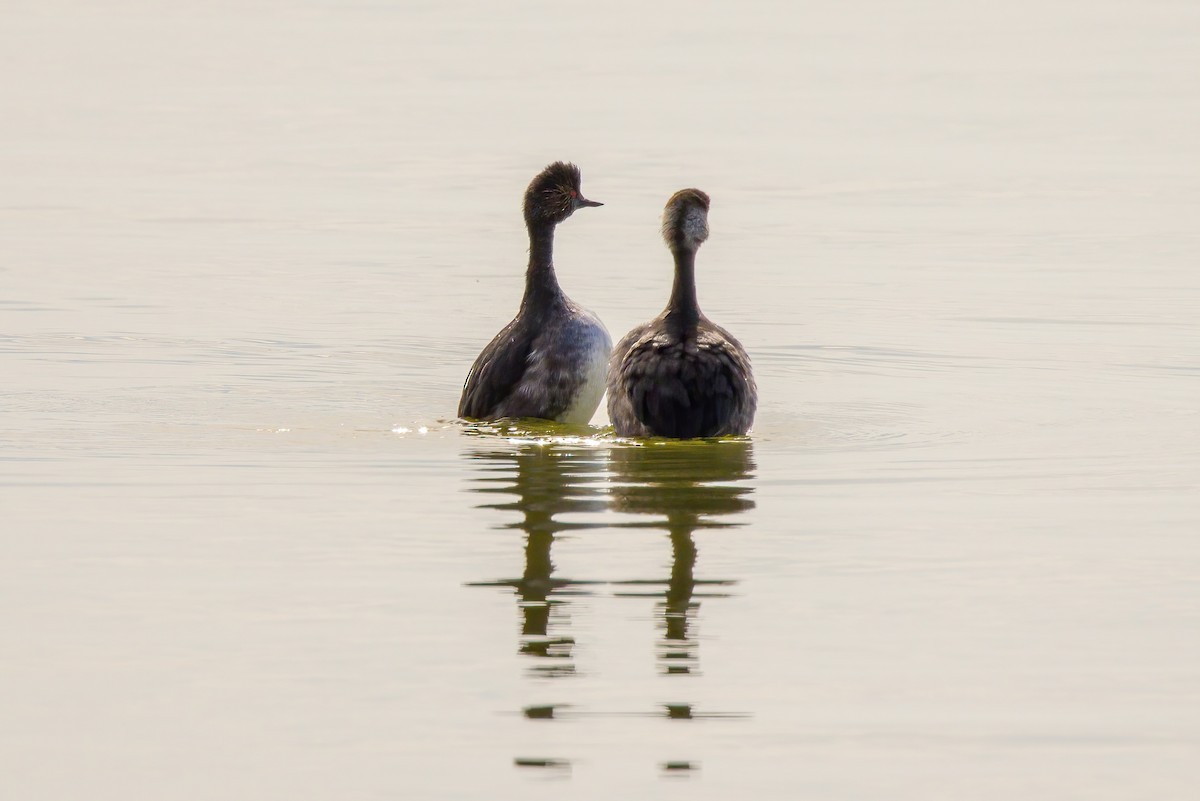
541, 284
683, 311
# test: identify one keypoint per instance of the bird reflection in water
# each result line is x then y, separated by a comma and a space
557, 487
548, 481
686, 486
677, 487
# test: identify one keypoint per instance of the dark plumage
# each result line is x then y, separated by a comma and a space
681, 375
549, 361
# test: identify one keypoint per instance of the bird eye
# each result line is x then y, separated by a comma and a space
574, 193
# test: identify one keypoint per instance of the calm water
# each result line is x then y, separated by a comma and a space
251, 249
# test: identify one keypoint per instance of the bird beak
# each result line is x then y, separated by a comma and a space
582, 201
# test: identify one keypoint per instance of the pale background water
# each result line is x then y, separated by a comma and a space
250, 249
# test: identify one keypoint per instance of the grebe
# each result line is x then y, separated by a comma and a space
681, 375
549, 361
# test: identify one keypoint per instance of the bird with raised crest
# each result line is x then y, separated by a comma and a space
549, 362
681, 375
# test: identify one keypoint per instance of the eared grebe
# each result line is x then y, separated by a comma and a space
681, 375
549, 361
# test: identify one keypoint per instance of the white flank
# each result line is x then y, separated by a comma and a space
588, 398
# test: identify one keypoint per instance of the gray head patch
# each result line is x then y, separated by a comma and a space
695, 225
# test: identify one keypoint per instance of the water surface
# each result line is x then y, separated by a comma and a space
251, 249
